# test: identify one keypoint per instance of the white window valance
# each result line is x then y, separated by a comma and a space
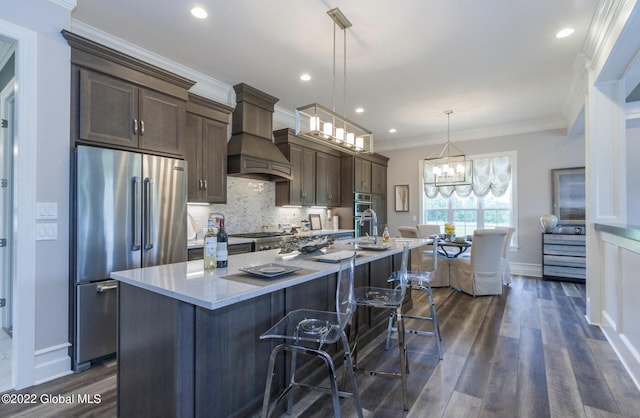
489, 175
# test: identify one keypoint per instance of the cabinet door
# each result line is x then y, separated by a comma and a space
333, 181
162, 122
308, 177
193, 156
378, 178
214, 165
295, 185
362, 176
108, 107
322, 171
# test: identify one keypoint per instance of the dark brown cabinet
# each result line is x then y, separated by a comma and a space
378, 179
118, 101
327, 179
206, 150
362, 175
301, 189
118, 113
315, 172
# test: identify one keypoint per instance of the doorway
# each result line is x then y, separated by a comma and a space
7, 123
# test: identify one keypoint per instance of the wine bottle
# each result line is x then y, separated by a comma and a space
222, 253
210, 247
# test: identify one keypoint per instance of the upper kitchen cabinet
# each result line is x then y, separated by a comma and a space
327, 179
119, 101
362, 175
315, 172
366, 173
378, 179
205, 148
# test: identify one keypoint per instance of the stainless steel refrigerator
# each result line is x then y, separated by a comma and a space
130, 211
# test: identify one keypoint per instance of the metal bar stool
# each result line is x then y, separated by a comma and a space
420, 281
386, 298
306, 331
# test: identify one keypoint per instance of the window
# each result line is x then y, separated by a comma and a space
472, 212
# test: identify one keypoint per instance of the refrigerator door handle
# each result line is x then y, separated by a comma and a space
136, 213
148, 215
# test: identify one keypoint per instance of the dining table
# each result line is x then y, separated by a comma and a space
453, 249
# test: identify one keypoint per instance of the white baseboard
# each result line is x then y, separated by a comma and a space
524, 269
626, 352
52, 363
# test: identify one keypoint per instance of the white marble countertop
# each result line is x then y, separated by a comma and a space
188, 282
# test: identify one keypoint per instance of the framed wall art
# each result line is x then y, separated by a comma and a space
402, 198
315, 221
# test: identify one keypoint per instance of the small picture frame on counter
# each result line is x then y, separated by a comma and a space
316, 222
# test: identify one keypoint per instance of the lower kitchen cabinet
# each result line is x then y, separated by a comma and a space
564, 257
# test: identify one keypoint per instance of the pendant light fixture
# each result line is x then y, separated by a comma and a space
451, 167
317, 122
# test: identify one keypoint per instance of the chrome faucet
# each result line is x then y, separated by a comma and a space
370, 214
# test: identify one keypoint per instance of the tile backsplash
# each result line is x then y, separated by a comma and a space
251, 207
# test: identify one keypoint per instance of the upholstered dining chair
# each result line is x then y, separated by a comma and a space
408, 231
504, 262
481, 273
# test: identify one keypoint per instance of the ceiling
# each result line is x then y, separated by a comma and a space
496, 64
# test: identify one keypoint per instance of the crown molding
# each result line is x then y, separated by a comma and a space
512, 128
205, 86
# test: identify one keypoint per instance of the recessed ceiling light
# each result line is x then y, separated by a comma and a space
359, 110
199, 12
393, 130
564, 33
305, 77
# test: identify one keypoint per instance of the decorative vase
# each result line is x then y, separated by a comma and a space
548, 222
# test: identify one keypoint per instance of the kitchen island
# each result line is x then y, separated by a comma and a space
188, 340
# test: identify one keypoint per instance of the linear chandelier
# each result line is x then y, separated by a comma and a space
317, 122
447, 169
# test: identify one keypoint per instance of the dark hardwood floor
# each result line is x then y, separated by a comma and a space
528, 353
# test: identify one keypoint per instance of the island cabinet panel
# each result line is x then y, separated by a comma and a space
155, 355
380, 271
231, 360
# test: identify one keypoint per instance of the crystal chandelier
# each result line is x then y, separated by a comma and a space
317, 122
448, 169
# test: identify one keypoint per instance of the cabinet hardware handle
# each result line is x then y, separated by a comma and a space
205, 184
141, 127
101, 288
135, 126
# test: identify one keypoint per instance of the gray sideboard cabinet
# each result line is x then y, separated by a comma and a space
564, 257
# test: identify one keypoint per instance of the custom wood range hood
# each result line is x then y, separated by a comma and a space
251, 152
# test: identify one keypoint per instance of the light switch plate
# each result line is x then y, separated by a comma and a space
46, 231
46, 210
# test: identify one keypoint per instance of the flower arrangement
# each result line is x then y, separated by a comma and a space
449, 229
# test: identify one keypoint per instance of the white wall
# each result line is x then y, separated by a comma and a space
41, 333
537, 154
